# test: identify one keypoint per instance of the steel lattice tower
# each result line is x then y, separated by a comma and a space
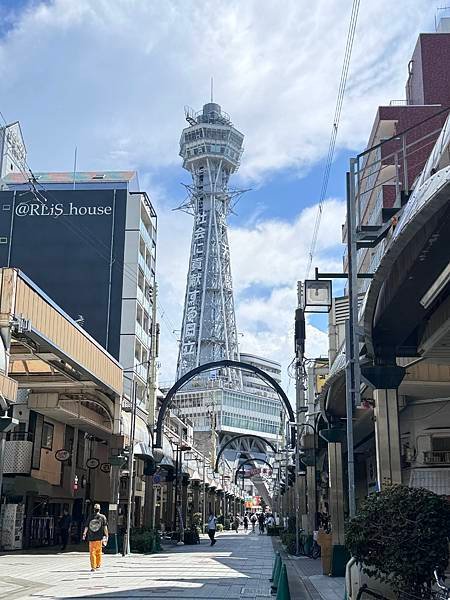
211, 149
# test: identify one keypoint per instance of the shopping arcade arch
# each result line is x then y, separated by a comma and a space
238, 437
225, 363
249, 461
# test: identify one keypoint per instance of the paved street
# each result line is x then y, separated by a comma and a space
238, 566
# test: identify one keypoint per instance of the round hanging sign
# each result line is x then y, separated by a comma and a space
105, 467
92, 463
62, 455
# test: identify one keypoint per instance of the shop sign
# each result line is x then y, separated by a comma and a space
92, 463
105, 467
62, 455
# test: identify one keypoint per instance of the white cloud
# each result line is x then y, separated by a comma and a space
113, 77
275, 252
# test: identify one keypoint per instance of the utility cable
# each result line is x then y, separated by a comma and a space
43, 194
334, 130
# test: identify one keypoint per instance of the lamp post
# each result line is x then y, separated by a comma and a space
299, 344
224, 494
311, 477
130, 501
180, 448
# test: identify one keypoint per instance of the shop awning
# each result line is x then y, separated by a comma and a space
28, 486
141, 430
142, 449
435, 480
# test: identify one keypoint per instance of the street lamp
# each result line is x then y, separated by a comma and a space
318, 295
178, 517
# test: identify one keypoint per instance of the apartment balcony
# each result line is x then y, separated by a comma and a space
146, 235
18, 454
437, 457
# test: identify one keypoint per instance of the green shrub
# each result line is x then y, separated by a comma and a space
144, 541
399, 536
292, 522
273, 530
197, 519
288, 539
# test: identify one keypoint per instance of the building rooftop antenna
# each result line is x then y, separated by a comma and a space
212, 89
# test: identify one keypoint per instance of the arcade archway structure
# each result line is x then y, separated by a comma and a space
240, 437
248, 462
225, 363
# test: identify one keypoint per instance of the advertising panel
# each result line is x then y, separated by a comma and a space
70, 243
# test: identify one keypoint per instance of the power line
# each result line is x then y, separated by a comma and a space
85, 236
334, 129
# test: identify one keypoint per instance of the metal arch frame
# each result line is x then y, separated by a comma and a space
238, 437
215, 365
248, 461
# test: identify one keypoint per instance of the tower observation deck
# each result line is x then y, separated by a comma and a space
211, 149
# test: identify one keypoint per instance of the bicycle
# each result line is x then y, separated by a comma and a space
443, 593
313, 551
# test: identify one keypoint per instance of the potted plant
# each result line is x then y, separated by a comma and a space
399, 536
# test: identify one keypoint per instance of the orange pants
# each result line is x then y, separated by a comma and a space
95, 554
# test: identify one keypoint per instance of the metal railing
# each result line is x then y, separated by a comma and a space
437, 457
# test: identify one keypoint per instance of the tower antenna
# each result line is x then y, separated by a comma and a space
212, 89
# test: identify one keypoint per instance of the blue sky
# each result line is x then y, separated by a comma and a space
112, 78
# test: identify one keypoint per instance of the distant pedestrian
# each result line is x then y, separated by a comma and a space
237, 522
96, 531
245, 522
64, 527
262, 522
253, 520
212, 526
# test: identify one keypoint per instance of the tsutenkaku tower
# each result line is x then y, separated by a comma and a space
211, 149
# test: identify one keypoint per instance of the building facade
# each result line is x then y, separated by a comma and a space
253, 383
89, 241
12, 149
401, 425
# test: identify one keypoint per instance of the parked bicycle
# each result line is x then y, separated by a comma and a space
443, 592
306, 548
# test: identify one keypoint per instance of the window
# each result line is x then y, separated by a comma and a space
440, 444
47, 436
141, 282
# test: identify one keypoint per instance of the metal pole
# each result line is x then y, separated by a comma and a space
405, 165
353, 372
2, 459
349, 413
177, 463
299, 402
204, 494
131, 467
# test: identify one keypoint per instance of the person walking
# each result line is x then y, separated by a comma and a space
246, 522
64, 526
261, 521
253, 520
237, 522
96, 532
212, 526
